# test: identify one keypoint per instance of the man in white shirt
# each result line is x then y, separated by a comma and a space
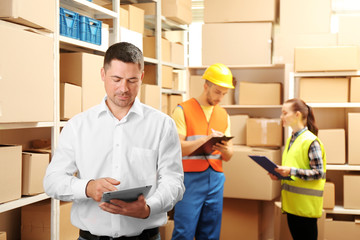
117, 145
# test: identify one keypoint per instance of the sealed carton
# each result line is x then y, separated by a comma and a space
150, 95
83, 69
227, 11
36, 221
334, 145
241, 168
334, 90
355, 89
174, 100
329, 195
351, 193
35, 13
150, 75
150, 49
263, 132
353, 139
336, 226
26, 91
339, 58
238, 128
10, 172
237, 43
136, 18
34, 166
241, 218
70, 100
251, 93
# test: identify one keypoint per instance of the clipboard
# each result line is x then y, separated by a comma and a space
127, 195
206, 148
269, 166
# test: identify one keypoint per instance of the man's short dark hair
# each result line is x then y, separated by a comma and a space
125, 52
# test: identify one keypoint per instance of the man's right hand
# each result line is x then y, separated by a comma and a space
96, 188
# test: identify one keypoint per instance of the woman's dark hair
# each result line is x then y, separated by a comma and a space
125, 52
306, 112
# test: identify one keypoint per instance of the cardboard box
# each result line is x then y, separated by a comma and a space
353, 139
70, 100
10, 172
237, 43
36, 218
150, 75
123, 17
334, 144
351, 193
355, 89
284, 44
176, 10
241, 168
26, 91
196, 86
240, 218
262, 132
150, 50
335, 90
174, 100
36, 13
329, 195
83, 69
177, 53
150, 95
33, 171
282, 231
2, 235
340, 58
342, 227
238, 128
167, 230
165, 103
305, 16
251, 93
227, 11
347, 29
136, 18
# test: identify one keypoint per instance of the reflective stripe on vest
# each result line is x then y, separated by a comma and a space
301, 197
197, 126
305, 191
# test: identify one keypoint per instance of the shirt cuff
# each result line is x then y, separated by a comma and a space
293, 171
79, 188
155, 206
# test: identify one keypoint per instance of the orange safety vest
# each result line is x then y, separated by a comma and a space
197, 126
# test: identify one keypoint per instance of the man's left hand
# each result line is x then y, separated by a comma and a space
136, 209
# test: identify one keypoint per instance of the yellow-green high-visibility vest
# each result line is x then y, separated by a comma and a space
300, 197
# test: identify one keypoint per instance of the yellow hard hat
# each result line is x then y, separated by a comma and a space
219, 74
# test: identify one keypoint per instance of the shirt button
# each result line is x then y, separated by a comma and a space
117, 144
116, 235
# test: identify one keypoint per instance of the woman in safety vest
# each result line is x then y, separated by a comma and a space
304, 160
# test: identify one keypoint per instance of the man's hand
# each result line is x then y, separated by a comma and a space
273, 177
136, 209
96, 188
226, 149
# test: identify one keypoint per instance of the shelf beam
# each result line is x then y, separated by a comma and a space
22, 202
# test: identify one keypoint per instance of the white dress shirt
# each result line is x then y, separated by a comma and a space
143, 148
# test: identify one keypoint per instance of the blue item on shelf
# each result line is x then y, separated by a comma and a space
69, 23
90, 30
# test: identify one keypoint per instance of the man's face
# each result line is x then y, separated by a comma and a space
122, 82
214, 94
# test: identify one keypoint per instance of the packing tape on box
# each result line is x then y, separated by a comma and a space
263, 124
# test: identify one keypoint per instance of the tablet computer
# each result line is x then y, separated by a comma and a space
206, 148
127, 195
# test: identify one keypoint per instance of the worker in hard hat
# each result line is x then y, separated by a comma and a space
197, 120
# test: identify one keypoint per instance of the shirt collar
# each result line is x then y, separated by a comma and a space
300, 132
136, 108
